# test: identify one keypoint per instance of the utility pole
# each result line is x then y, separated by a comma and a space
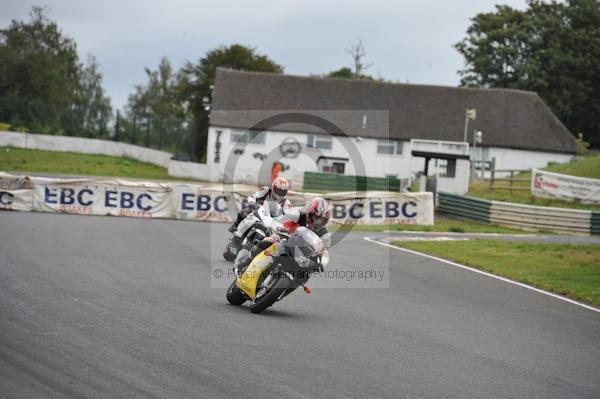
469, 114
117, 127
160, 133
134, 128
147, 141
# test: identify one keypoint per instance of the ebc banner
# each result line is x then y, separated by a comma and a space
384, 209
197, 203
103, 198
16, 200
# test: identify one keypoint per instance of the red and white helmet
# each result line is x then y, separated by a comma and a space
279, 188
318, 213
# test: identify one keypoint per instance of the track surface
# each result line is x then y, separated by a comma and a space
115, 307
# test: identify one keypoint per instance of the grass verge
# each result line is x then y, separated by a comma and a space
586, 167
442, 225
566, 269
17, 159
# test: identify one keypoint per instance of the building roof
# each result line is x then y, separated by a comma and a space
507, 118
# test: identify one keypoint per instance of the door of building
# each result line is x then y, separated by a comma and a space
338, 167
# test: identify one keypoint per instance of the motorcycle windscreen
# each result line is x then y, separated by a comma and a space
248, 281
306, 243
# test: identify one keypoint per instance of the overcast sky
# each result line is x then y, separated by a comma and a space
407, 41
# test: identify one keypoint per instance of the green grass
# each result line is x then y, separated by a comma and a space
22, 160
585, 167
443, 224
566, 269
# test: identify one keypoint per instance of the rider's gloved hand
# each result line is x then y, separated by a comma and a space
316, 264
282, 231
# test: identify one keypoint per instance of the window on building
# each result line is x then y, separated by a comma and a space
245, 137
486, 164
447, 167
389, 147
319, 141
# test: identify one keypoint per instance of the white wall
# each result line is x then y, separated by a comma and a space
521, 159
507, 158
458, 184
85, 146
248, 166
375, 165
193, 170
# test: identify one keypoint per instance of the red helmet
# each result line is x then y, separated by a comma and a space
318, 213
279, 188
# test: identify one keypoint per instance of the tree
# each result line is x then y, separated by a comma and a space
43, 87
551, 48
198, 79
157, 103
38, 74
358, 52
342, 73
91, 110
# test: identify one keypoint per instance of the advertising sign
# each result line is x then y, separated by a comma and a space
16, 200
555, 185
103, 198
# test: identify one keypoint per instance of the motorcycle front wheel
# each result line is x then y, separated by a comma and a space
234, 295
228, 254
269, 297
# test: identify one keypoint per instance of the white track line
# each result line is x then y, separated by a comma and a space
562, 298
434, 233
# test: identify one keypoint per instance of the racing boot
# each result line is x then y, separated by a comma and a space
236, 241
241, 216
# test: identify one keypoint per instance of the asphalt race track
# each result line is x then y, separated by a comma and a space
109, 307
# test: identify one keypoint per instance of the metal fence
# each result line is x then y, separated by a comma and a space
174, 135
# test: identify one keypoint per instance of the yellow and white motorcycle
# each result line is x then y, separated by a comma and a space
278, 270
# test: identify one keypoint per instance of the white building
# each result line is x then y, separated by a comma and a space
365, 127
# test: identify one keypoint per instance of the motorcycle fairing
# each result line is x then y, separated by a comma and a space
248, 281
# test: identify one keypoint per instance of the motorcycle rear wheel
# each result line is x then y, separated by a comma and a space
234, 295
269, 297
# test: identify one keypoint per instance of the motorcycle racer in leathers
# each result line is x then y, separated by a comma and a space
276, 192
314, 216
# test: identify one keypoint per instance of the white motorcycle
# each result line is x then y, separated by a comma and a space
260, 223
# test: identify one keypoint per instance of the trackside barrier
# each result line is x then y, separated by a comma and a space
464, 207
85, 146
595, 222
541, 218
337, 182
117, 197
527, 217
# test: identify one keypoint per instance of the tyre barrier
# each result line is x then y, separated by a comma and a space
521, 216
